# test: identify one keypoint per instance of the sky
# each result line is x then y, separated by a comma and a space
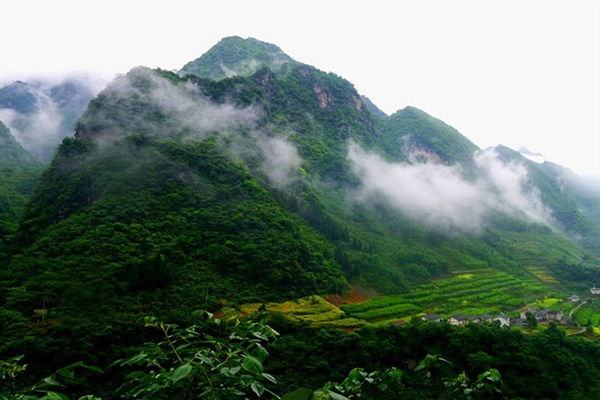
512, 73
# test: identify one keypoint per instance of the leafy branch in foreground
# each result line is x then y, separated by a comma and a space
433, 378
49, 388
214, 359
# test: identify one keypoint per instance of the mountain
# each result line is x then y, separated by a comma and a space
42, 113
411, 129
546, 178
195, 190
236, 56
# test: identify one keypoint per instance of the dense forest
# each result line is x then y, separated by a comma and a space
250, 177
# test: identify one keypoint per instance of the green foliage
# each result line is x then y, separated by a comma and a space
49, 388
532, 366
19, 173
531, 320
216, 359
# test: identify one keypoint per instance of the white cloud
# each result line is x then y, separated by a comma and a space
441, 197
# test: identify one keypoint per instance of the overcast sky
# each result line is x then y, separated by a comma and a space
511, 73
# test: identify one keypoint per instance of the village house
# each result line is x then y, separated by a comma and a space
574, 298
555, 316
432, 318
503, 319
457, 320
486, 317
543, 315
594, 290
473, 318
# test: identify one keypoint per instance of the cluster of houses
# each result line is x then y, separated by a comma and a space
503, 319
460, 319
540, 316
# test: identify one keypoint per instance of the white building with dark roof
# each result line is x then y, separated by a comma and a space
504, 319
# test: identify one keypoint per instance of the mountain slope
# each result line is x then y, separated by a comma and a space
563, 206
582, 193
19, 172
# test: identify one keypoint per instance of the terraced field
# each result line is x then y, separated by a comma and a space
542, 274
473, 291
313, 310
468, 292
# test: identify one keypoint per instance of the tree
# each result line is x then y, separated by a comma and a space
531, 320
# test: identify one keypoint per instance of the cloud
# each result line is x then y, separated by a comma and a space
56, 106
281, 159
39, 130
188, 114
509, 187
441, 197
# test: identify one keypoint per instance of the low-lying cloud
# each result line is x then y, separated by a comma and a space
441, 197
191, 116
37, 132
44, 112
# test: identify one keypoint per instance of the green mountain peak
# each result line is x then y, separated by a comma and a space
416, 129
234, 55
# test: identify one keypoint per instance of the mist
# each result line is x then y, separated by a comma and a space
192, 116
441, 197
41, 112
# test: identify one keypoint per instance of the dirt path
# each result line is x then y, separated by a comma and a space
573, 310
577, 333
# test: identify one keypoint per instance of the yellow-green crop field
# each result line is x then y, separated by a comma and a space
479, 291
476, 291
313, 309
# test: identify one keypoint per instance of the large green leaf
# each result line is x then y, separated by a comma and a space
181, 372
298, 394
252, 364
